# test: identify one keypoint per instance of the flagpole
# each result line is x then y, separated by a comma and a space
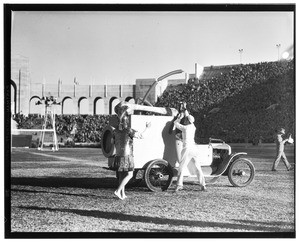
74, 86
91, 87
59, 83
43, 87
105, 92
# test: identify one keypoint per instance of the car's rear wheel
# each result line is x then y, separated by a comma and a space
158, 175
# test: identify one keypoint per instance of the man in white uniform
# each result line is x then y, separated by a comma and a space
188, 152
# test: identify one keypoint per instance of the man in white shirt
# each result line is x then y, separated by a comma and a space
280, 142
188, 152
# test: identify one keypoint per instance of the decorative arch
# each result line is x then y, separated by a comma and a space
66, 106
130, 100
83, 106
112, 103
33, 107
98, 106
13, 97
34, 97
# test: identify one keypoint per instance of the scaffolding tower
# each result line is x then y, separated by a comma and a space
49, 118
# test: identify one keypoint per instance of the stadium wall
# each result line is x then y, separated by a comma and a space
96, 99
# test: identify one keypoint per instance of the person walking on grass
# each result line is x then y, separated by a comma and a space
280, 142
124, 160
188, 152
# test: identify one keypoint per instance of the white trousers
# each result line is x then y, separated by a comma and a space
188, 154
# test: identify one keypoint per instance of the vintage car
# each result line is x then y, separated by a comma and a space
156, 156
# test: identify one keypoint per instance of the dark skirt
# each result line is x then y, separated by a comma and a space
124, 163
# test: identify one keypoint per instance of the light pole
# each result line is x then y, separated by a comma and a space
278, 47
241, 52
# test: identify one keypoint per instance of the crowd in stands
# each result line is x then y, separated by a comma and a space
235, 104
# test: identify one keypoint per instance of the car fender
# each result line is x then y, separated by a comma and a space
151, 161
233, 157
222, 168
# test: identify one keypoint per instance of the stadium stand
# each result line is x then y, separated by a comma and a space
240, 103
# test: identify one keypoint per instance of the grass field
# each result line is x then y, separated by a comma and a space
70, 191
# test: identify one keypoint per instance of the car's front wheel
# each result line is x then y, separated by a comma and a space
241, 172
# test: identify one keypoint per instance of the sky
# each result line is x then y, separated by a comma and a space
120, 47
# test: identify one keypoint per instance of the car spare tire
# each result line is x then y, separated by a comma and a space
107, 142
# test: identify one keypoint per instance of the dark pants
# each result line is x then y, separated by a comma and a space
281, 155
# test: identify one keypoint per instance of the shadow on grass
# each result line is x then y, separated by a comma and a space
148, 231
91, 183
251, 226
87, 195
282, 223
88, 183
62, 182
